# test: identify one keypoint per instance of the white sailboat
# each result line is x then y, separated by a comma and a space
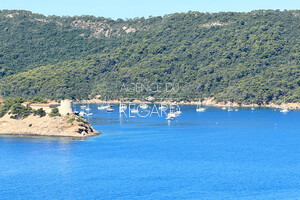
199, 108
285, 109
229, 107
103, 107
162, 107
134, 110
122, 107
88, 108
88, 111
252, 107
178, 112
172, 114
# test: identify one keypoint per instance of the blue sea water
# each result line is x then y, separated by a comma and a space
211, 155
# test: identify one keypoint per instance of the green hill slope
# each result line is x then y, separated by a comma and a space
242, 57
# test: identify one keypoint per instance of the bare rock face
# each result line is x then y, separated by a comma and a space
67, 126
100, 28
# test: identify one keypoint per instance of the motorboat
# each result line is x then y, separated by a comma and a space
81, 113
169, 118
143, 106
103, 107
134, 111
178, 112
109, 109
200, 109
285, 110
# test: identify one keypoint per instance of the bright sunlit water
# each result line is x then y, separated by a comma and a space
211, 155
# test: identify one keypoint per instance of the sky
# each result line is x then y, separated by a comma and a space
142, 8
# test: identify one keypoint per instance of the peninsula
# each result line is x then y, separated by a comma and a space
51, 120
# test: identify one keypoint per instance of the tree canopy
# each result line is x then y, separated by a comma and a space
242, 57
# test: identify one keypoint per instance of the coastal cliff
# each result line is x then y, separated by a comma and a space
70, 126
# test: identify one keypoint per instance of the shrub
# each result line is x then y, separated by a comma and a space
81, 119
8, 103
71, 120
40, 112
54, 112
19, 111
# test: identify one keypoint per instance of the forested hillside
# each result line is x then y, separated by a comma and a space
242, 57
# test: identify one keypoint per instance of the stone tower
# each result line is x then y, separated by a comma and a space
65, 107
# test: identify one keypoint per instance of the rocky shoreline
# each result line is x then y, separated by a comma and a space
206, 102
69, 127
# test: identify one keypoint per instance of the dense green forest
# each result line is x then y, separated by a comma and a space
241, 57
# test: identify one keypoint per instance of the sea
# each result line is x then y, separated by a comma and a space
216, 154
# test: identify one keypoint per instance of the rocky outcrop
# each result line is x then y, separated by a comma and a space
208, 25
70, 126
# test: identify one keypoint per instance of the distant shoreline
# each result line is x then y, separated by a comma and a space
207, 102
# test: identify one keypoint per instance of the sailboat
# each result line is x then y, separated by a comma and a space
171, 115
88, 108
134, 110
122, 107
285, 109
162, 107
199, 108
229, 107
103, 107
252, 107
178, 112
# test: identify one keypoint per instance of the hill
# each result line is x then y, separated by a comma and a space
242, 57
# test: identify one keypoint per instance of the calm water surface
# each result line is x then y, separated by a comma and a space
210, 155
